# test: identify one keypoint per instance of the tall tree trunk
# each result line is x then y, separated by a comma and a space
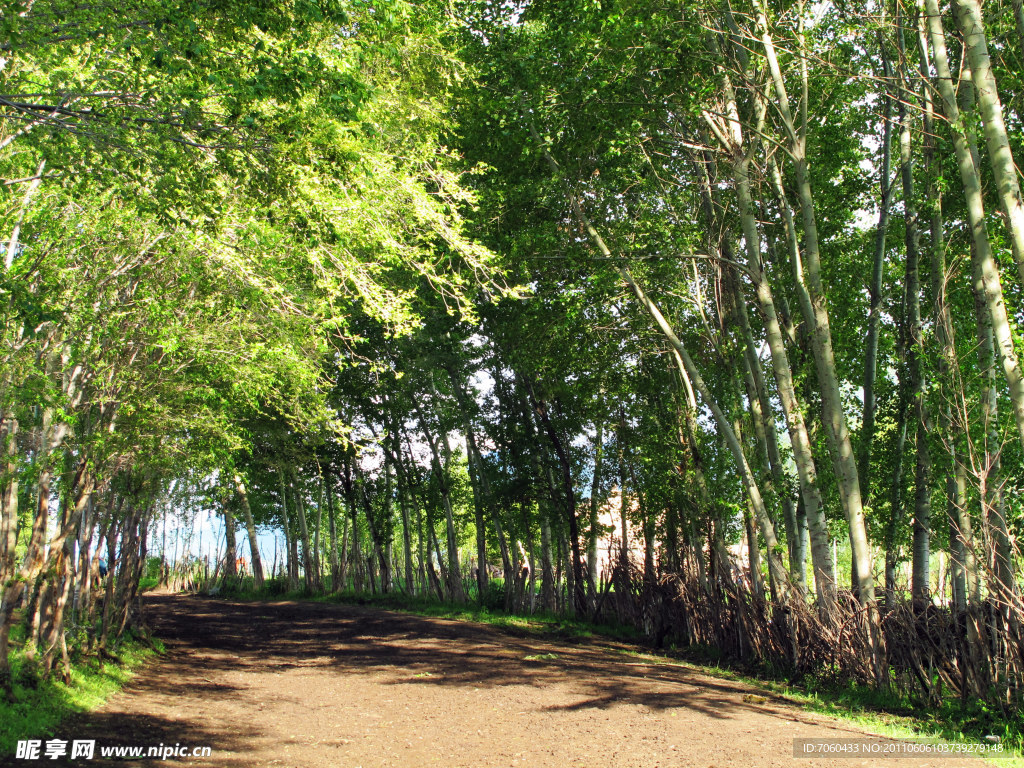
915, 340
10, 588
990, 470
764, 480
250, 529
350, 497
688, 437
499, 531
971, 21
896, 511
986, 267
60, 565
115, 526
810, 279
422, 516
376, 534
387, 531
454, 580
332, 529
732, 140
291, 562
310, 575
624, 548
231, 548
961, 544
594, 532
867, 435
803, 455
481, 499
959, 538
435, 553
476, 482
990, 474
317, 563
547, 570
404, 500
753, 554
579, 598
765, 436
83, 570
773, 479
454, 569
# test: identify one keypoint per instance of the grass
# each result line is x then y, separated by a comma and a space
886, 713
35, 711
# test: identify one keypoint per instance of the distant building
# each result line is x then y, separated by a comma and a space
609, 516
609, 545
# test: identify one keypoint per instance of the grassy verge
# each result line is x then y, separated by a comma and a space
886, 713
34, 711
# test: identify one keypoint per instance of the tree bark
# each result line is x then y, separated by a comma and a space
250, 529
547, 570
836, 430
350, 496
231, 545
10, 588
875, 291
594, 534
964, 567
985, 267
803, 455
454, 580
332, 527
579, 598
291, 561
310, 576
971, 21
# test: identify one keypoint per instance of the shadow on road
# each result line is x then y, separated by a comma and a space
212, 643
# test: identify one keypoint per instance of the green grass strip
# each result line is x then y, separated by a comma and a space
35, 711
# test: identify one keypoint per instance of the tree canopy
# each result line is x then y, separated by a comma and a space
700, 304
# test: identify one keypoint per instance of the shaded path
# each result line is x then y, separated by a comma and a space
308, 684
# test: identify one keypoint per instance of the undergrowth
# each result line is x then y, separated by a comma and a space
36, 708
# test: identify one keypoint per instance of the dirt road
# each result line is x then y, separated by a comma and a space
297, 684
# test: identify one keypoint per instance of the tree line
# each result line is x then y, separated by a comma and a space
410, 281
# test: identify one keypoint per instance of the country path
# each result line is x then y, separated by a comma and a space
313, 685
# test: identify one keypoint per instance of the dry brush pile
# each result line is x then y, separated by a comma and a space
927, 651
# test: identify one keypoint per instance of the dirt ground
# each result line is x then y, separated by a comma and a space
299, 684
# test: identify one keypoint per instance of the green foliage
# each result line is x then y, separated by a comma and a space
336, 249
36, 711
494, 597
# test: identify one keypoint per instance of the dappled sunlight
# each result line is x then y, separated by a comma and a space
312, 682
